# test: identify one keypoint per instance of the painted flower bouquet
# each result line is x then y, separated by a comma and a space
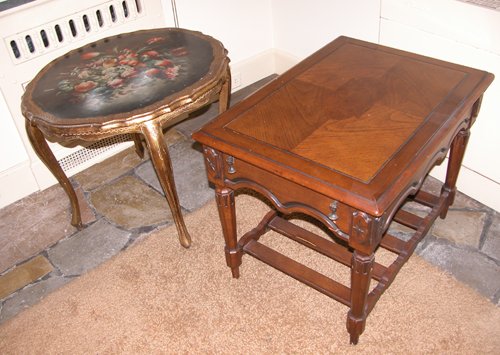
120, 71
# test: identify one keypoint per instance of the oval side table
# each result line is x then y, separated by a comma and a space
134, 83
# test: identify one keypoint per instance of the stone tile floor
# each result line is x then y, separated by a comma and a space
40, 251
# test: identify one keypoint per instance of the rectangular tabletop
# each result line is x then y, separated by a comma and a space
355, 121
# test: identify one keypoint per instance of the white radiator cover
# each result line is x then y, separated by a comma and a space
31, 36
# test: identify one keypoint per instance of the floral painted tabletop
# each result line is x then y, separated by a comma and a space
123, 73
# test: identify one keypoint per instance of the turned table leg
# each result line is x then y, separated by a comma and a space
43, 151
160, 158
457, 152
361, 270
227, 215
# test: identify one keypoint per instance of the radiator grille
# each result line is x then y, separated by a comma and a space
44, 39
86, 154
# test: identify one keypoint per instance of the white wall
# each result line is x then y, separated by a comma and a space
264, 37
463, 34
11, 145
300, 27
243, 26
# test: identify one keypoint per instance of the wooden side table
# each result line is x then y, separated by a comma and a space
346, 136
137, 83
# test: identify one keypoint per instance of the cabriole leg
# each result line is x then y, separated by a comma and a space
225, 93
139, 148
161, 162
43, 151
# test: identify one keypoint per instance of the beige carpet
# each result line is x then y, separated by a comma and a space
159, 298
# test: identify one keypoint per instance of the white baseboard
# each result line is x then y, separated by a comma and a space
269, 62
16, 183
253, 69
473, 185
284, 61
